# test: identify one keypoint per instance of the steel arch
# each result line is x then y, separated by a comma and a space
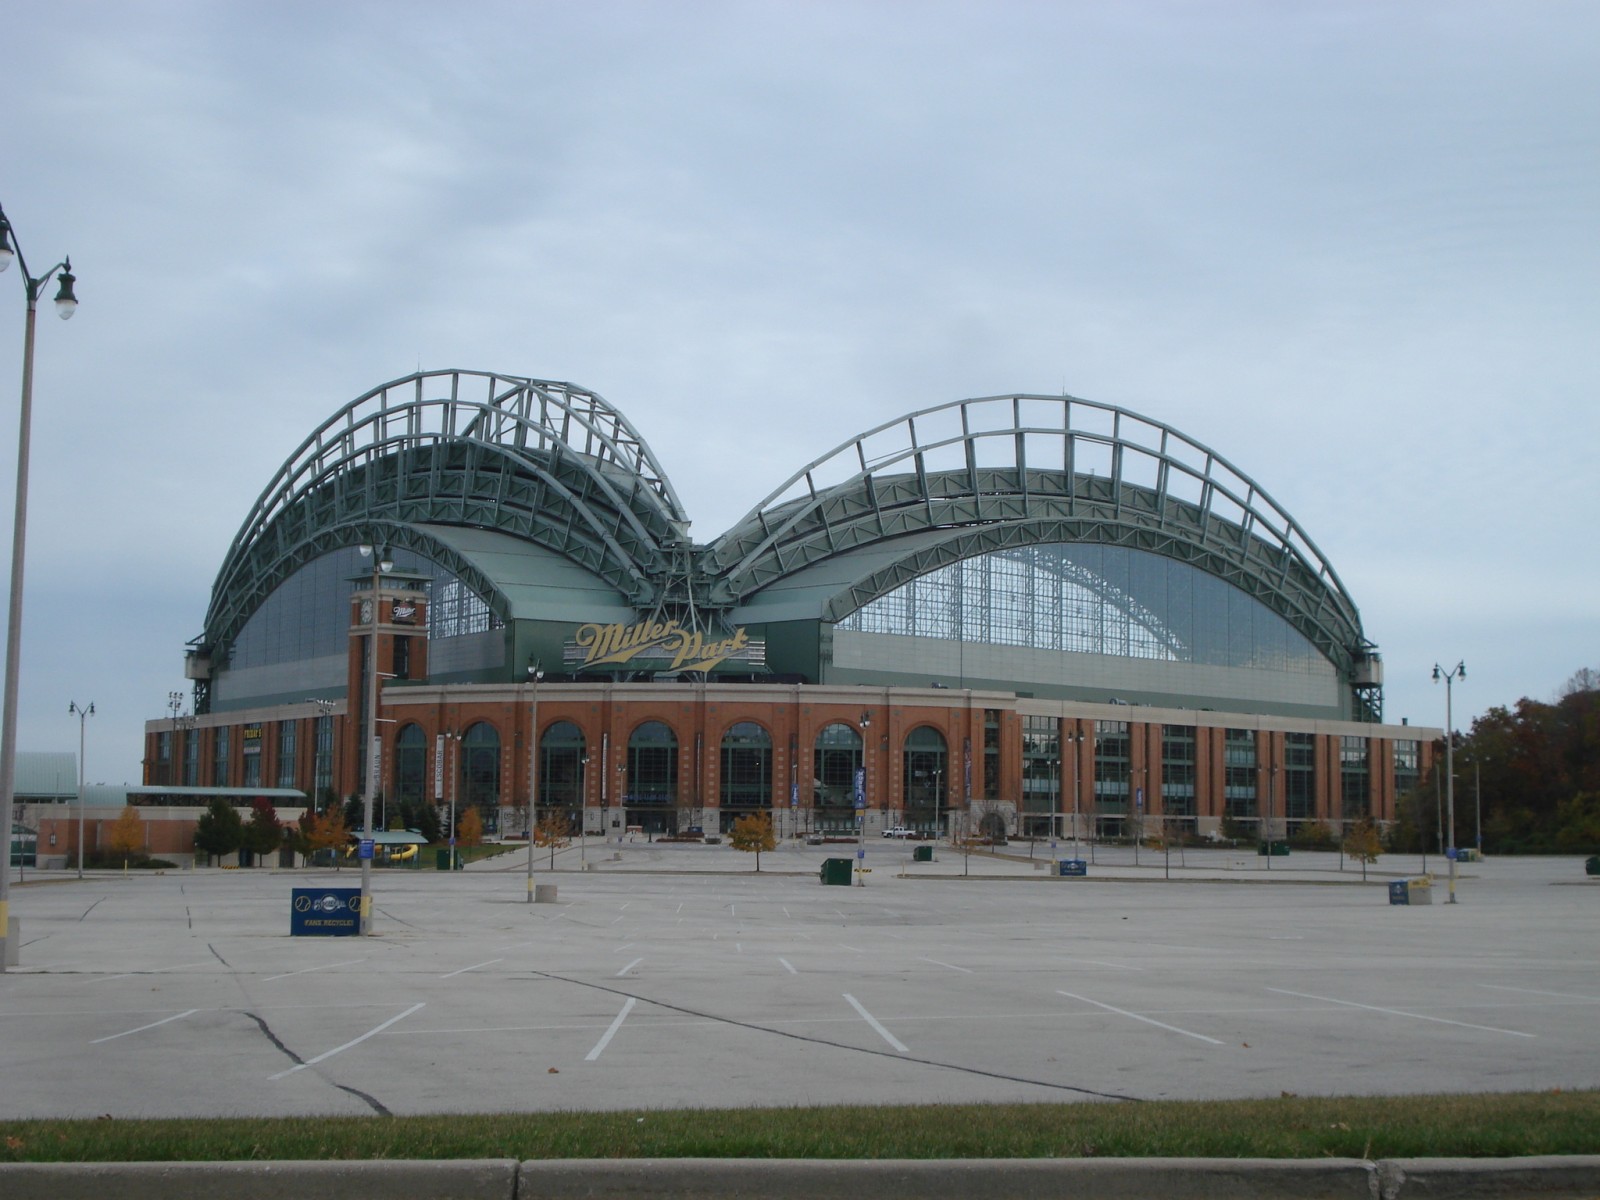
550, 462
1011, 473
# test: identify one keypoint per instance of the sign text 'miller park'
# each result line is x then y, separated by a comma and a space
688, 650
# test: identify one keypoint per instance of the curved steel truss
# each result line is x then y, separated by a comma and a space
556, 466
1010, 471
549, 462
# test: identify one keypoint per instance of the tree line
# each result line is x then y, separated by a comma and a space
1530, 773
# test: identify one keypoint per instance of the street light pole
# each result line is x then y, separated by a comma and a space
66, 305
1076, 738
381, 563
74, 709
1459, 671
536, 673
861, 812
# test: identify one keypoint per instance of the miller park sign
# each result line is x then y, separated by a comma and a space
661, 646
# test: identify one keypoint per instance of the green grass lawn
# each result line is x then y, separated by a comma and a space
1483, 1126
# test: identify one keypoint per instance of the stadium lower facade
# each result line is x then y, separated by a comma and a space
1013, 615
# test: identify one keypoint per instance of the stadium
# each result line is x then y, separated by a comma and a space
1009, 616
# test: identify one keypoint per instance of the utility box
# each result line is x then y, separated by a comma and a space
836, 871
1275, 849
925, 854
1592, 865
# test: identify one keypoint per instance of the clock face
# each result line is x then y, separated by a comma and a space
366, 612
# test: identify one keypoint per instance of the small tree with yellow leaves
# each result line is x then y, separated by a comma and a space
127, 834
753, 833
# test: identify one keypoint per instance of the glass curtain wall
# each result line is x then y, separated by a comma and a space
479, 764
1240, 799
836, 762
651, 797
1355, 778
411, 766
924, 767
561, 766
745, 782
1113, 768
1299, 777
1041, 775
1178, 773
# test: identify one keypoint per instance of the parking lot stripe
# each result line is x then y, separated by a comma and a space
951, 966
349, 962
873, 1021
1147, 1020
629, 967
311, 1062
788, 966
473, 967
605, 1038
152, 971
113, 1037
1395, 1012
1537, 992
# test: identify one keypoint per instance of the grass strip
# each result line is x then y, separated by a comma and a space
1477, 1126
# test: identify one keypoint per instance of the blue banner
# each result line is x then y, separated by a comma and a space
325, 912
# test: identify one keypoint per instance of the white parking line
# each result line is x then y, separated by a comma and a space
951, 966
605, 1038
873, 1021
113, 1037
788, 966
630, 966
1498, 987
1148, 1021
152, 971
311, 1062
474, 967
349, 962
1095, 962
1395, 1012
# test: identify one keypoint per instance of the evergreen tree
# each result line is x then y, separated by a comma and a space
219, 830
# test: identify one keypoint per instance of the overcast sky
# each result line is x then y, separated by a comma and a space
1352, 247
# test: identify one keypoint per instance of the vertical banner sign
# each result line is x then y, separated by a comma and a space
966, 751
374, 761
861, 787
794, 795
438, 769
1138, 799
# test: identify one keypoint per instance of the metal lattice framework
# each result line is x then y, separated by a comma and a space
1009, 471
551, 463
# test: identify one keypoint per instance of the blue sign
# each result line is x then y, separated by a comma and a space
1071, 867
1138, 798
794, 795
862, 854
861, 787
364, 848
1399, 892
325, 912
1451, 853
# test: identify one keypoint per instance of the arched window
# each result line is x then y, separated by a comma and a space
652, 767
746, 779
561, 766
835, 763
411, 765
925, 780
480, 773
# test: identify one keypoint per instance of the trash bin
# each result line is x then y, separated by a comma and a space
836, 871
1275, 849
925, 854
1592, 866
1399, 892
1420, 890
441, 860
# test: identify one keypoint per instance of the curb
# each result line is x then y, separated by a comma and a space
808, 1179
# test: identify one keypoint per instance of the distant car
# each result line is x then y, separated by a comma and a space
899, 831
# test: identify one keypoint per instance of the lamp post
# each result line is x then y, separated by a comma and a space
535, 673
74, 709
861, 808
1076, 739
583, 809
66, 305
381, 564
446, 738
1459, 671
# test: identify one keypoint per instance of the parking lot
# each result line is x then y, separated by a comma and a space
674, 976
